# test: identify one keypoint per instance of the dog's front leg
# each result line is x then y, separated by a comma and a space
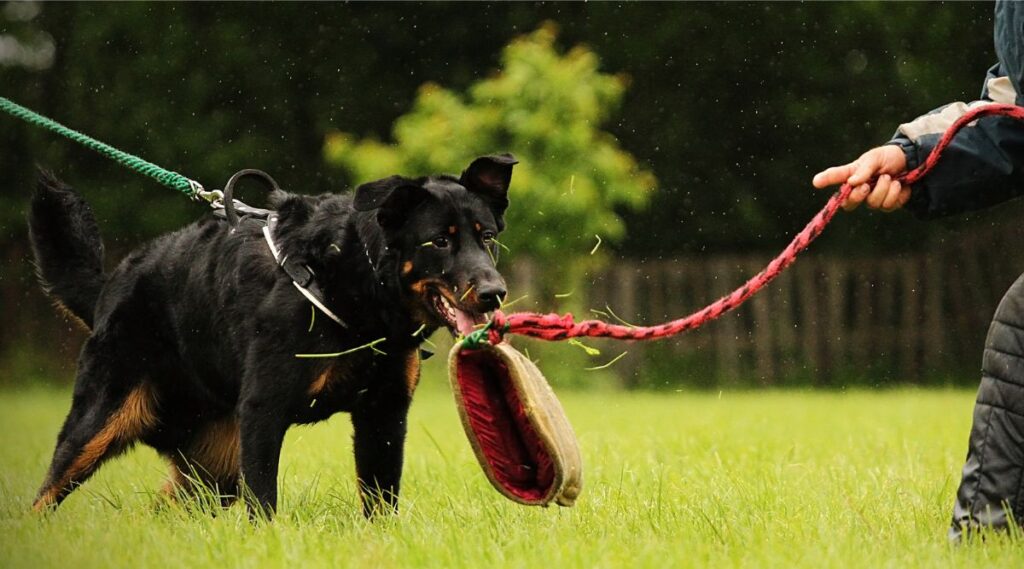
379, 423
264, 416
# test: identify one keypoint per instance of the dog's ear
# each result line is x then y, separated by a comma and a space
394, 198
490, 177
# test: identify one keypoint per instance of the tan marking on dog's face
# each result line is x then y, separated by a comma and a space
476, 226
420, 287
422, 290
135, 416
407, 267
452, 230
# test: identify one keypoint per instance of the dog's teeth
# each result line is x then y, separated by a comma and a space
445, 309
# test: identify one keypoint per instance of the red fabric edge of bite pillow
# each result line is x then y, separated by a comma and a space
515, 454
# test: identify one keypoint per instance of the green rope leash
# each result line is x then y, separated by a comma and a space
172, 180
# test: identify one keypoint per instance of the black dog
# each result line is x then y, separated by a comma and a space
195, 335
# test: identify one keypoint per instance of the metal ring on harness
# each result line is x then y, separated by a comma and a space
229, 190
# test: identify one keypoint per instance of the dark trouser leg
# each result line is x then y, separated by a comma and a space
990, 491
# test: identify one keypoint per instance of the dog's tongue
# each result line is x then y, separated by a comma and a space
466, 322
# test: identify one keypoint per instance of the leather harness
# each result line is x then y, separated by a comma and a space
234, 211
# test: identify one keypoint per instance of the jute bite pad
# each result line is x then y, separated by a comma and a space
516, 425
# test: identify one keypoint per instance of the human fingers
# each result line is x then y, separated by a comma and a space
881, 190
832, 176
902, 198
856, 197
867, 166
892, 196
892, 159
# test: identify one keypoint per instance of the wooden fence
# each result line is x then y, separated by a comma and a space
827, 321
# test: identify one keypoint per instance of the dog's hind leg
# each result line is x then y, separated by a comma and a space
108, 414
209, 461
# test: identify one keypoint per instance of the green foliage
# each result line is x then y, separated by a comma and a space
734, 106
548, 109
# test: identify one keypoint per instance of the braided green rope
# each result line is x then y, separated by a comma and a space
172, 180
477, 338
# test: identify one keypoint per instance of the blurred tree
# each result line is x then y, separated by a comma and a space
732, 105
549, 109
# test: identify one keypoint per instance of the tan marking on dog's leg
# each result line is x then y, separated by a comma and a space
210, 460
135, 416
407, 267
46, 500
329, 376
321, 381
175, 482
324, 380
217, 450
412, 371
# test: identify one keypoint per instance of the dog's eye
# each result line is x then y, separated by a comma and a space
440, 242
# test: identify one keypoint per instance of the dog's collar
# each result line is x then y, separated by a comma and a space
302, 276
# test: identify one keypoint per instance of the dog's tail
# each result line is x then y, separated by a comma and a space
67, 247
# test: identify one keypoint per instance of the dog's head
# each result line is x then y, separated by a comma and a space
440, 231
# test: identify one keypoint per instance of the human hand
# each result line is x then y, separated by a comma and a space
885, 163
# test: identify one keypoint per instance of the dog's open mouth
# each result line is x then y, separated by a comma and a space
459, 321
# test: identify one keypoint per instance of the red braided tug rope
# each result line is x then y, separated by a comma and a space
493, 389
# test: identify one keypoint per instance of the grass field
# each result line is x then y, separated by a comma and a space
751, 479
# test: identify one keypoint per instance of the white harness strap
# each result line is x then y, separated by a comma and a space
310, 296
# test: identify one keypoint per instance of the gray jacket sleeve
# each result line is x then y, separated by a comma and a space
982, 167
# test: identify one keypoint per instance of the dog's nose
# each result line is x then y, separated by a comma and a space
491, 295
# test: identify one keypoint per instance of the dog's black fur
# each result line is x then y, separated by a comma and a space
194, 336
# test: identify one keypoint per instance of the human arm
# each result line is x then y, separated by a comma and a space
983, 166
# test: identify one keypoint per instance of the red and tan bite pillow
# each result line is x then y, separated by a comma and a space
516, 425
